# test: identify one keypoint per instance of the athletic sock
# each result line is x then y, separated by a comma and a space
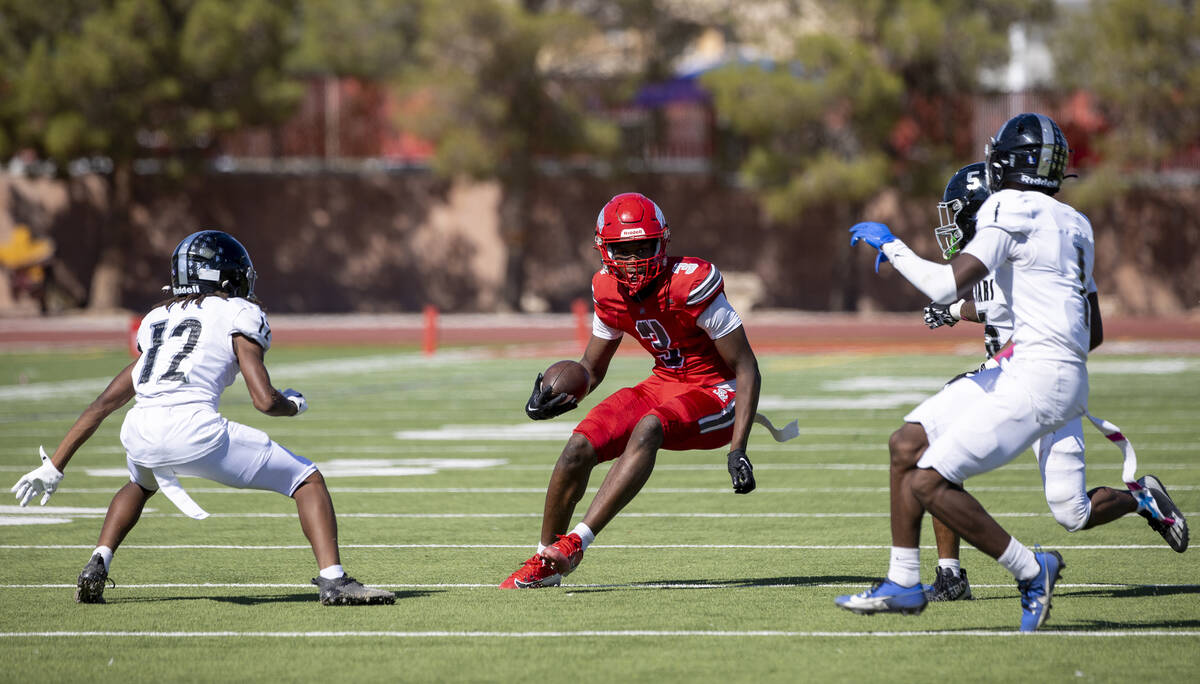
106, 554
586, 535
332, 572
905, 566
541, 548
1019, 560
951, 563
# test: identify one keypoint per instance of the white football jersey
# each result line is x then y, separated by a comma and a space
187, 351
991, 305
1041, 253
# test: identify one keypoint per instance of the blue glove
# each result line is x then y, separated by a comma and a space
875, 234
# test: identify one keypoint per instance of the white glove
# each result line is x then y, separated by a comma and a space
297, 399
43, 480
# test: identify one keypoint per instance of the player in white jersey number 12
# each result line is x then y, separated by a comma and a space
1060, 455
192, 347
1041, 253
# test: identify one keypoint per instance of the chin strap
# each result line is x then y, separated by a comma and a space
789, 431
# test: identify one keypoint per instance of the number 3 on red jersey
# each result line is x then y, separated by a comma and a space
654, 332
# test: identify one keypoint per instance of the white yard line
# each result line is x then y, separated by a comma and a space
756, 547
732, 584
542, 490
1045, 634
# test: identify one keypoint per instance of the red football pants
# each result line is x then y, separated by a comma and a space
693, 417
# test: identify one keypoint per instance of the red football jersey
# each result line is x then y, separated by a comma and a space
663, 319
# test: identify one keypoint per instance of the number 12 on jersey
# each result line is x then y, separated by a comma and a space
189, 327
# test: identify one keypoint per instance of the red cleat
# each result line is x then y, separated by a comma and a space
534, 574
564, 555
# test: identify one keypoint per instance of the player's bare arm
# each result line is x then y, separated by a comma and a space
43, 481
735, 349
968, 311
117, 394
597, 356
968, 270
262, 393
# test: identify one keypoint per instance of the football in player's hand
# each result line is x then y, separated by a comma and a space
569, 377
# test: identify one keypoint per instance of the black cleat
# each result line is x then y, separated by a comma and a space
1176, 534
949, 587
89, 588
346, 591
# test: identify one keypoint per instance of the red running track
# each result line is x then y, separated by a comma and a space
768, 331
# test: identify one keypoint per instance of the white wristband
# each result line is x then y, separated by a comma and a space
956, 309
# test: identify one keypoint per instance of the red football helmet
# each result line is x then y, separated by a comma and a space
629, 217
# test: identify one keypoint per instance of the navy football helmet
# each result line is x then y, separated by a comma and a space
211, 261
965, 193
1029, 150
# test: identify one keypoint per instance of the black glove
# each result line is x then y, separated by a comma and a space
741, 471
937, 315
543, 403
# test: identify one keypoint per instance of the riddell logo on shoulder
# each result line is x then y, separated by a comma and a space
633, 232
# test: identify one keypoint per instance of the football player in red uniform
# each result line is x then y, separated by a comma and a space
676, 308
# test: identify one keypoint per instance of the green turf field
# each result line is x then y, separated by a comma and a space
438, 480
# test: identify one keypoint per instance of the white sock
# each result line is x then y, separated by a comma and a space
905, 566
951, 563
1019, 560
332, 572
541, 548
106, 554
586, 535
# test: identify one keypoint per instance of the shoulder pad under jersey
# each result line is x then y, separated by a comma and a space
695, 281
1009, 210
249, 319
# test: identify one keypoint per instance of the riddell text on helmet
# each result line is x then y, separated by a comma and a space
1036, 180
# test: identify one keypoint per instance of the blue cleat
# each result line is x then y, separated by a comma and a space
885, 596
1035, 592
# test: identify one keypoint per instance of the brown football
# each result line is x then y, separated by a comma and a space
567, 376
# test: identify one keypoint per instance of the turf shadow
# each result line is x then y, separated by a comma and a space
1134, 591
1124, 626
730, 583
245, 600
